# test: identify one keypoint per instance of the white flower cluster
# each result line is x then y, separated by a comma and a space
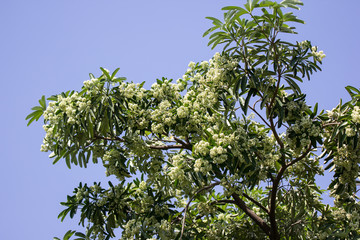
349, 159
131, 230
355, 115
93, 86
71, 106
350, 132
352, 218
130, 90
162, 116
333, 114
304, 44
166, 90
202, 148
81, 193
176, 171
138, 117
202, 165
318, 55
298, 135
114, 166
295, 109
65, 107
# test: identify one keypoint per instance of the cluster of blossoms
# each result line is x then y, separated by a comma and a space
68, 108
162, 116
299, 135
130, 90
81, 193
294, 109
231, 184
205, 80
143, 158
355, 115
137, 116
133, 228
269, 154
348, 159
304, 44
176, 171
333, 114
318, 55
94, 86
351, 218
167, 90
114, 162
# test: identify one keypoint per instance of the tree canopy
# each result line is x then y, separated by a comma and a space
230, 150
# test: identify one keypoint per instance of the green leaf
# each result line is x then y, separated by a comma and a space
114, 73
251, 4
68, 235
239, 11
106, 73
291, 4
42, 102
216, 21
352, 91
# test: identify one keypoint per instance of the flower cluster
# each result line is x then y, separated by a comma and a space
294, 110
355, 115
68, 108
166, 90
114, 162
81, 193
318, 55
93, 86
348, 159
176, 171
299, 135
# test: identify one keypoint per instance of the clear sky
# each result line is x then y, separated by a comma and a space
49, 46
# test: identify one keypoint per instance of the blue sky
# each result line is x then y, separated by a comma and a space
49, 46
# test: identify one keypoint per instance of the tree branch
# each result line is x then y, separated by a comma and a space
190, 200
175, 146
110, 138
274, 190
258, 220
254, 110
224, 201
256, 202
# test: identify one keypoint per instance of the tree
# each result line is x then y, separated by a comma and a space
229, 151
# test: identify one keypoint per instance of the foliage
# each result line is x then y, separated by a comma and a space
208, 169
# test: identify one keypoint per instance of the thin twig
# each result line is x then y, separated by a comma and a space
166, 147
256, 202
190, 200
259, 115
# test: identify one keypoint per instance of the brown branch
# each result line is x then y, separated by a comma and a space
330, 124
110, 138
224, 201
300, 157
254, 110
190, 200
179, 141
166, 147
258, 220
256, 202
274, 233
272, 127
